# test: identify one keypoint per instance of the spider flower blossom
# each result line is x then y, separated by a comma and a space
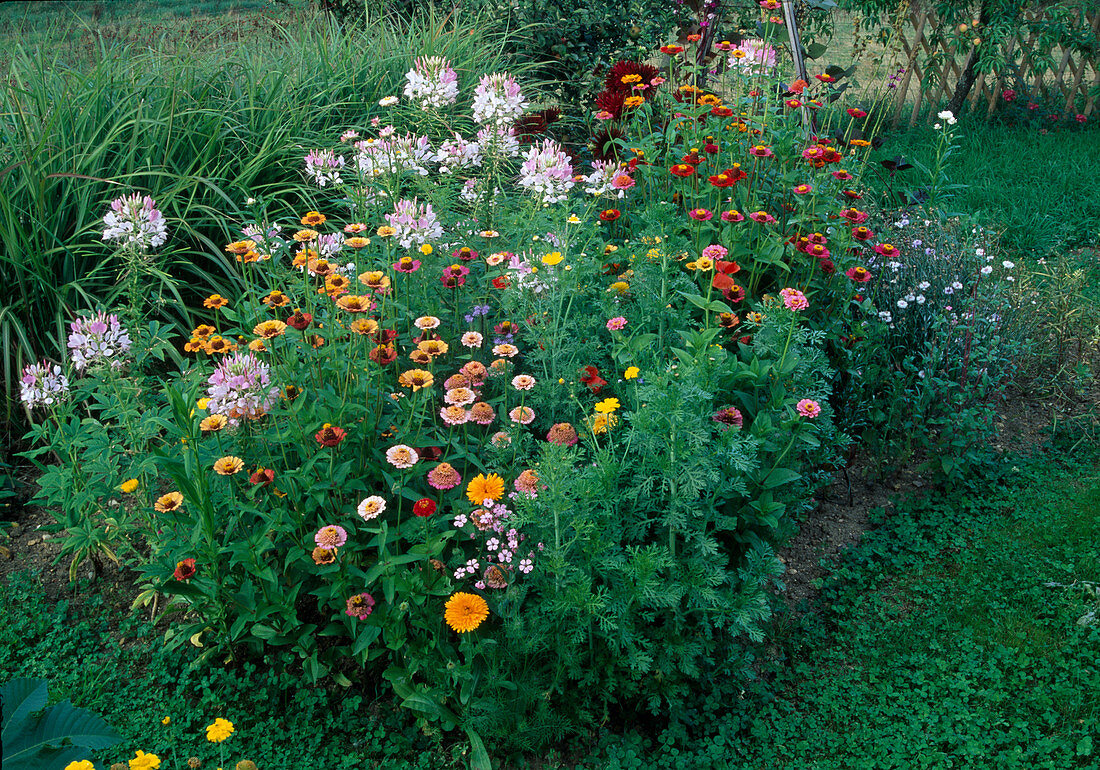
498, 100
324, 166
753, 55
97, 339
458, 153
547, 173
42, 385
414, 222
135, 221
500, 141
432, 82
394, 154
240, 387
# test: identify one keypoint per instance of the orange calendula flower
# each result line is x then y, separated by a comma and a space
483, 487
169, 502
228, 465
465, 612
215, 301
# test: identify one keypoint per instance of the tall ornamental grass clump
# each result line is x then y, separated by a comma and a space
508, 433
202, 132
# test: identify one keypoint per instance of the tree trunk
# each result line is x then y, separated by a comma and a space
970, 71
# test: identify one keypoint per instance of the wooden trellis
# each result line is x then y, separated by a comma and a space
934, 66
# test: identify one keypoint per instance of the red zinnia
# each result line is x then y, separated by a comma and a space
856, 112
262, 477
383, 354
610, 215
185, 570
500, 282
330, 435
682, 170
423, 507
862, 233
300, 320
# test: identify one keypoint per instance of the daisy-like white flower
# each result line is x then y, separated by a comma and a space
523, 382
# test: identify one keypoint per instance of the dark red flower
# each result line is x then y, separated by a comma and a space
384, 336
384, 355
729, 416
682, 170
430, 453
185, 570
721, 111
862, 233
613, 81
423, 507
746, 340
262, 477
300, 320
827, 266
500, 282
330, 435
592, 379
610, 215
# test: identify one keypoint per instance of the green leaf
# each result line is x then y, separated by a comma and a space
479, 757
52, 738
779, 477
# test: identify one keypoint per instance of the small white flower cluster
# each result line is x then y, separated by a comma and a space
499, 141
946, 116
432, 83
43, 385
136, 221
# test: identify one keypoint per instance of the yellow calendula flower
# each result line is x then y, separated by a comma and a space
553, 258
202, 403
143, 761
166, 720
219, 731
631, 372
426, 249
129, 485
81, 765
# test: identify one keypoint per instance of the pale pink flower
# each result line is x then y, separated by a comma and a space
472, 339
793, 299
616, 324
371, 507
523, 382
523, 415
402, 456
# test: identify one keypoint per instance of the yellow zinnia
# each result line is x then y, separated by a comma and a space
143, 761
631, 372
482, 487
129, 485
465, 612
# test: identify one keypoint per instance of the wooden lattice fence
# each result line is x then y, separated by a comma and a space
934, 65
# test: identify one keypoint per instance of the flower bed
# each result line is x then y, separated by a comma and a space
507, 434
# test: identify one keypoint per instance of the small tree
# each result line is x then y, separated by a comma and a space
988, 25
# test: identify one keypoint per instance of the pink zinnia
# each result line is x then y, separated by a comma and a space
616, 323
454, 415
762, 217
808, 408
360, 605
331, 537
858, 274
523, 382
733, 216
444, 476
622, 181
527, 481
482, 413
715, 252
701, 215
793, 299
